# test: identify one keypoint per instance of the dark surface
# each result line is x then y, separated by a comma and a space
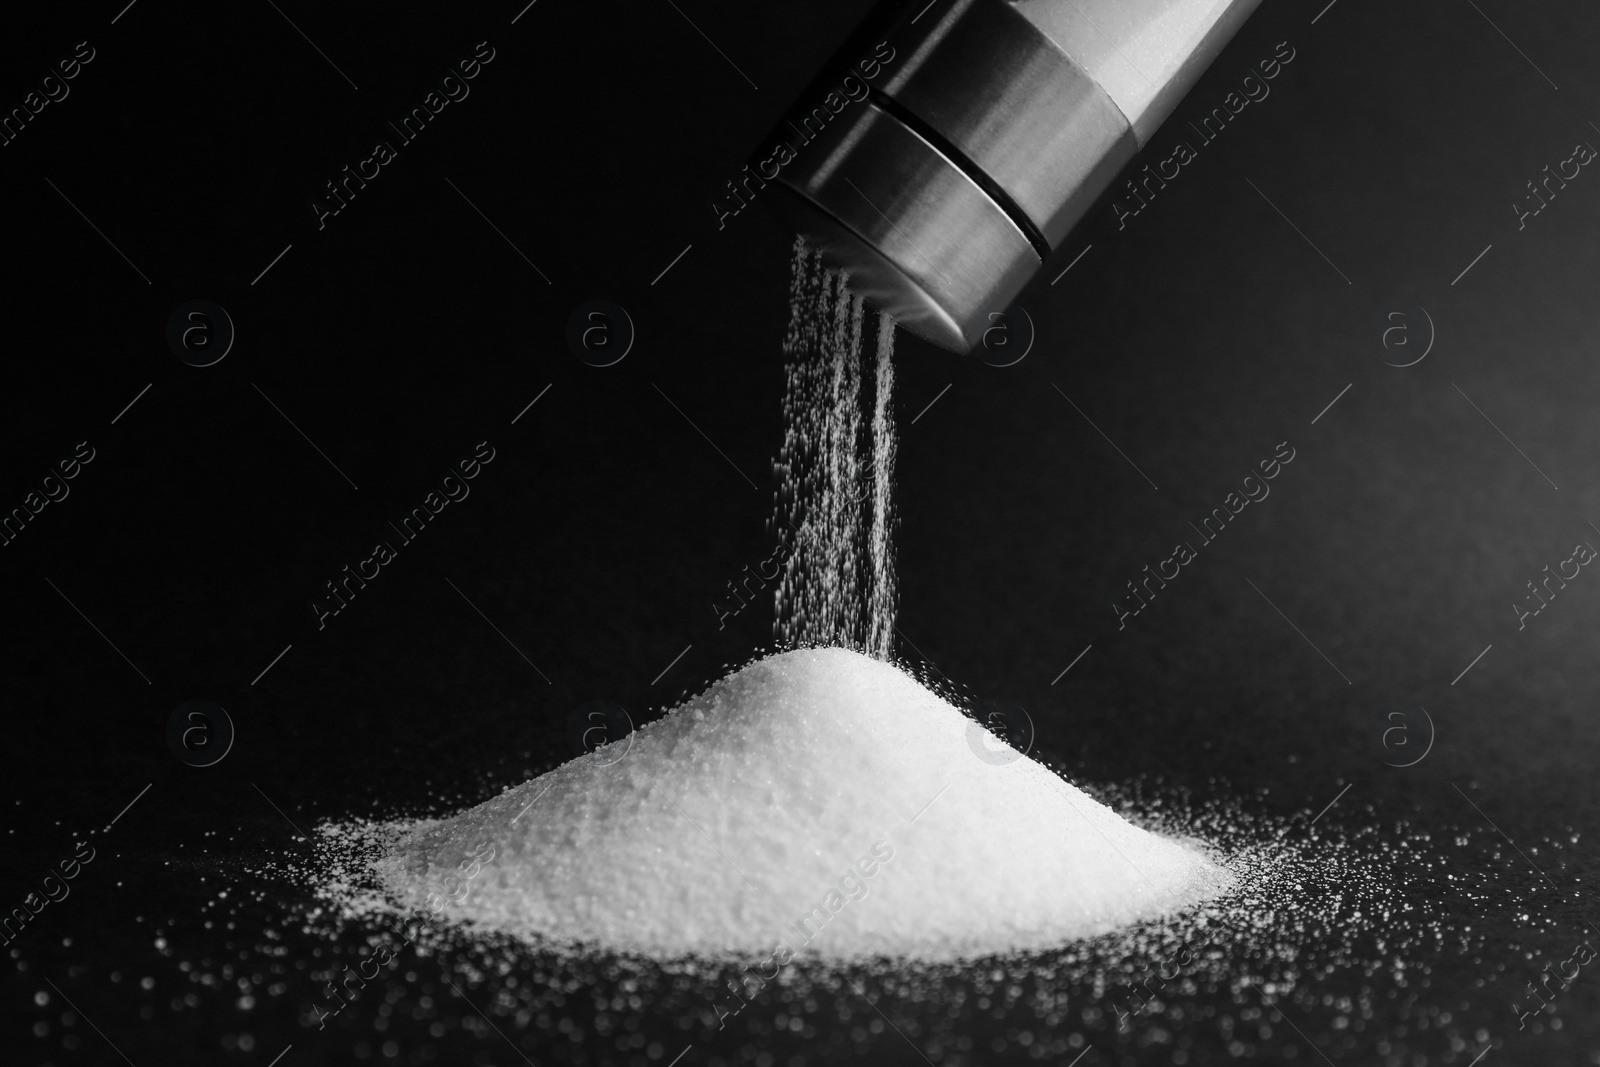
1197, 338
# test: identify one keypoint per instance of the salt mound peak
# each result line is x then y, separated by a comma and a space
816, 802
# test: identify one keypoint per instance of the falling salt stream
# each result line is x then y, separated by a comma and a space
880, 544
835, 513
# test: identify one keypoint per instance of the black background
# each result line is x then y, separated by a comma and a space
408, 330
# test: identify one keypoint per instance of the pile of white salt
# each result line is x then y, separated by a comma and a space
819, 800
